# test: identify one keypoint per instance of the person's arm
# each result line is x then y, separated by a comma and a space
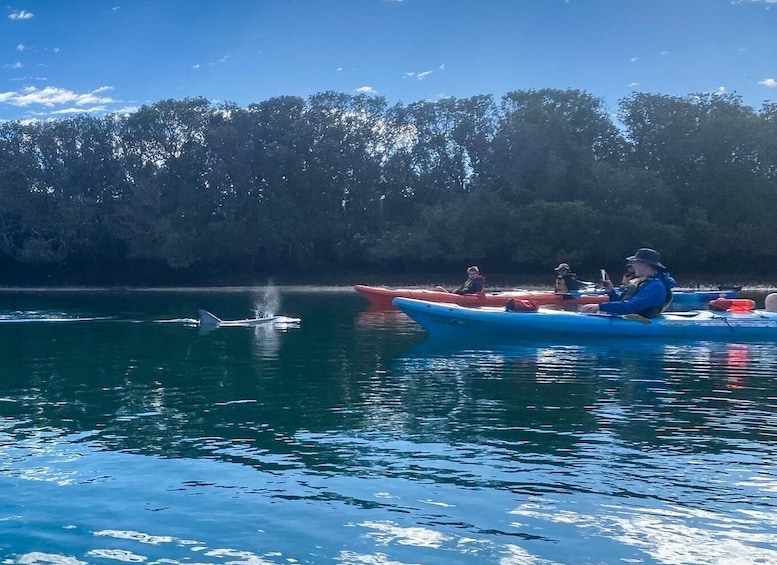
615, 294
652, 293
573, 283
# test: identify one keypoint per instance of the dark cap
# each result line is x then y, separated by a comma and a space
647, 255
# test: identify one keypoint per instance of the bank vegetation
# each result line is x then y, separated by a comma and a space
188, 191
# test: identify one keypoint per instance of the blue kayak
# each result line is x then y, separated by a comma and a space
453, 320
697, 299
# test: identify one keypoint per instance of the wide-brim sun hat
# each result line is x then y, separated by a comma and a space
647, 255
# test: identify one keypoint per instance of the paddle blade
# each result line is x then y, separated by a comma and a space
636, 318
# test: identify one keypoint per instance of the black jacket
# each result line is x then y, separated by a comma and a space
472, 286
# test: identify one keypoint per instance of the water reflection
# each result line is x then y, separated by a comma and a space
267, 340
654, 393
381, 319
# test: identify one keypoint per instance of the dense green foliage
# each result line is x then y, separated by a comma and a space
191, 191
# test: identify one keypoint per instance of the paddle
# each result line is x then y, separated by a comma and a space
636, 318
629, 317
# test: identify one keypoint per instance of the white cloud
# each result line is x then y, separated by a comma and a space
339, 69
664, 53
366, 90
20, 15
442, 67
418, 76
720, 90
770, 82
220, 61
633, 59
51, 96
16, 65
79, 110
20, 47
633, 84
195, 67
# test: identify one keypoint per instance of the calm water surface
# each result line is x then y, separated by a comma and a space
137, 438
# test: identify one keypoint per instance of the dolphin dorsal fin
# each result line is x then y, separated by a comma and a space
208, 319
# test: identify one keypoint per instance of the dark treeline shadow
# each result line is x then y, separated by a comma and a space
187, 191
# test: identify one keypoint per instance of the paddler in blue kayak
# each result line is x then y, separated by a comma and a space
653, 288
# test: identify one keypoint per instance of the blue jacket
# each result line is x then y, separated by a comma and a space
652, 295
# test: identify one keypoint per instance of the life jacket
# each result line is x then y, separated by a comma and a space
563, 285
656, 310
569, 282
629, 290
466, 288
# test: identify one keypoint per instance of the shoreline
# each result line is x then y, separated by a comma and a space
161, 289
301, 288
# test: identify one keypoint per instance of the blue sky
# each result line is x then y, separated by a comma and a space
61, 58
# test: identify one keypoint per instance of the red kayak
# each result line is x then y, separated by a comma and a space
381, 297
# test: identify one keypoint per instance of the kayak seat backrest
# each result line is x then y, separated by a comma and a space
731, 304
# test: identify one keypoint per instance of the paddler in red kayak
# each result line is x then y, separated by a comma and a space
566, 280
474, 283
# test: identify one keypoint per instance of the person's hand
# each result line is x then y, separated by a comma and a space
589, 308
607, 285
441, 289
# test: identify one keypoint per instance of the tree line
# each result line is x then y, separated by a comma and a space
192, 191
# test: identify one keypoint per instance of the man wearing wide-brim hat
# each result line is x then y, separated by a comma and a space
653, 294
